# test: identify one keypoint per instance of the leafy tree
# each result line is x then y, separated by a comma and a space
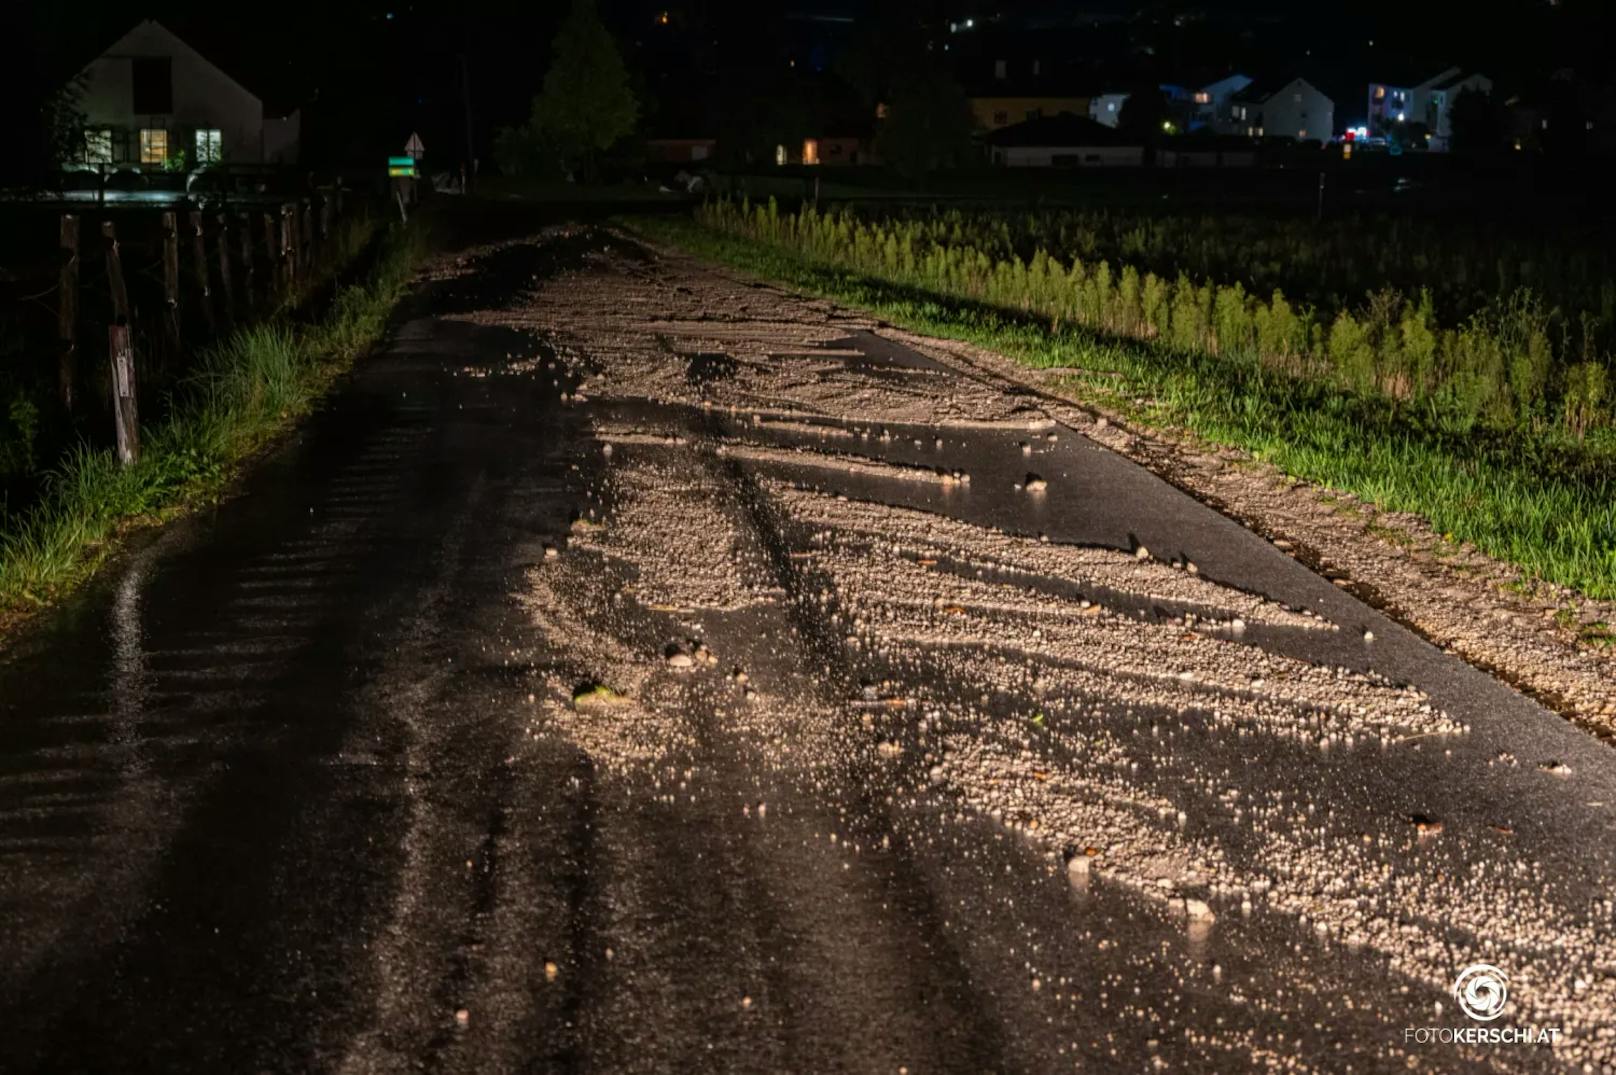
1143, 113
759, 109
928, 123
1476, 124
586, 104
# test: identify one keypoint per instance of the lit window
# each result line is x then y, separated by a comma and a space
810, 151
1203, 98
98, 146
1401, 116
779, 154
1380, 93
209, 146
153, 146
881, 110
662, 18
1301, 134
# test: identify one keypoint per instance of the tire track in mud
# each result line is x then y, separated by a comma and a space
1198, 732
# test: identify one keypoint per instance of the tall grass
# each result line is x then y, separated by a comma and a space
243, 391
1537, 494
1511, 362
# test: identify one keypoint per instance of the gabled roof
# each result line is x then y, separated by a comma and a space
1407, 76
1457, 77
1266, 89
277, 100
1062, 130
139, 35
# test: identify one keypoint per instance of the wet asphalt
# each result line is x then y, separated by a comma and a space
270, 799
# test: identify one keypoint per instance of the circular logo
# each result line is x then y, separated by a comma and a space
1481, 990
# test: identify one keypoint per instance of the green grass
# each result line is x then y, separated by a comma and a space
244, 391
1543, 502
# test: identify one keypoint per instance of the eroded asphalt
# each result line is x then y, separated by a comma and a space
637, 669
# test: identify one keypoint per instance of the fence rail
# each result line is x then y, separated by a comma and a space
161, 285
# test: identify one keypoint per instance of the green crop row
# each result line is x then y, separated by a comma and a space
1512, 363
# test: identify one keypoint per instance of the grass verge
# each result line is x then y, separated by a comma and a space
1542, 503
245, 390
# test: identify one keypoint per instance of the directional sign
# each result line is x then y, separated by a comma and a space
414, 147
401, 167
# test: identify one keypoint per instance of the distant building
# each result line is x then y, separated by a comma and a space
1202, 108
1428, 103
992, 113
1205, 150
828, 150
1106, 108
1292, 108
151, 101
1064, 141
680, 150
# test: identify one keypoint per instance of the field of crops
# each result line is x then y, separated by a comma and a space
1489, 412
1494, 352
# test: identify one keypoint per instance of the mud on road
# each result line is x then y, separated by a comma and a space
637, 669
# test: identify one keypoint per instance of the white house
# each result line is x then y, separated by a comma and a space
1209, 104
1064, 141
152, 101
1429, 102
1292, 109
1106, 108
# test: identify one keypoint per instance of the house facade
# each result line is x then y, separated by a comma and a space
1428, 104
153, 102
1202, 108
1290, 109
1106, 108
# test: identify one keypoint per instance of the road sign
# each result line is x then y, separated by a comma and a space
401, 167
414, 147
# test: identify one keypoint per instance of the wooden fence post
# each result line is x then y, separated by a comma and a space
120, 349
204, 285
272, 254
67, 308
171, 280
306, 246
247, 268
325, 218
226, 284
288, 249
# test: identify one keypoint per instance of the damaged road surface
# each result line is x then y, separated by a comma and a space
639, 669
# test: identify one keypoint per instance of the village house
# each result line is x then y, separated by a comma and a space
1288, 108
151, 101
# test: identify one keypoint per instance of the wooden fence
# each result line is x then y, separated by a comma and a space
200, 275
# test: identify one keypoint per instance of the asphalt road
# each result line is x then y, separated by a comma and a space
930, 736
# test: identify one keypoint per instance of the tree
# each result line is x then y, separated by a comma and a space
586, 105
1143, 113
1476, 124
928, 123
